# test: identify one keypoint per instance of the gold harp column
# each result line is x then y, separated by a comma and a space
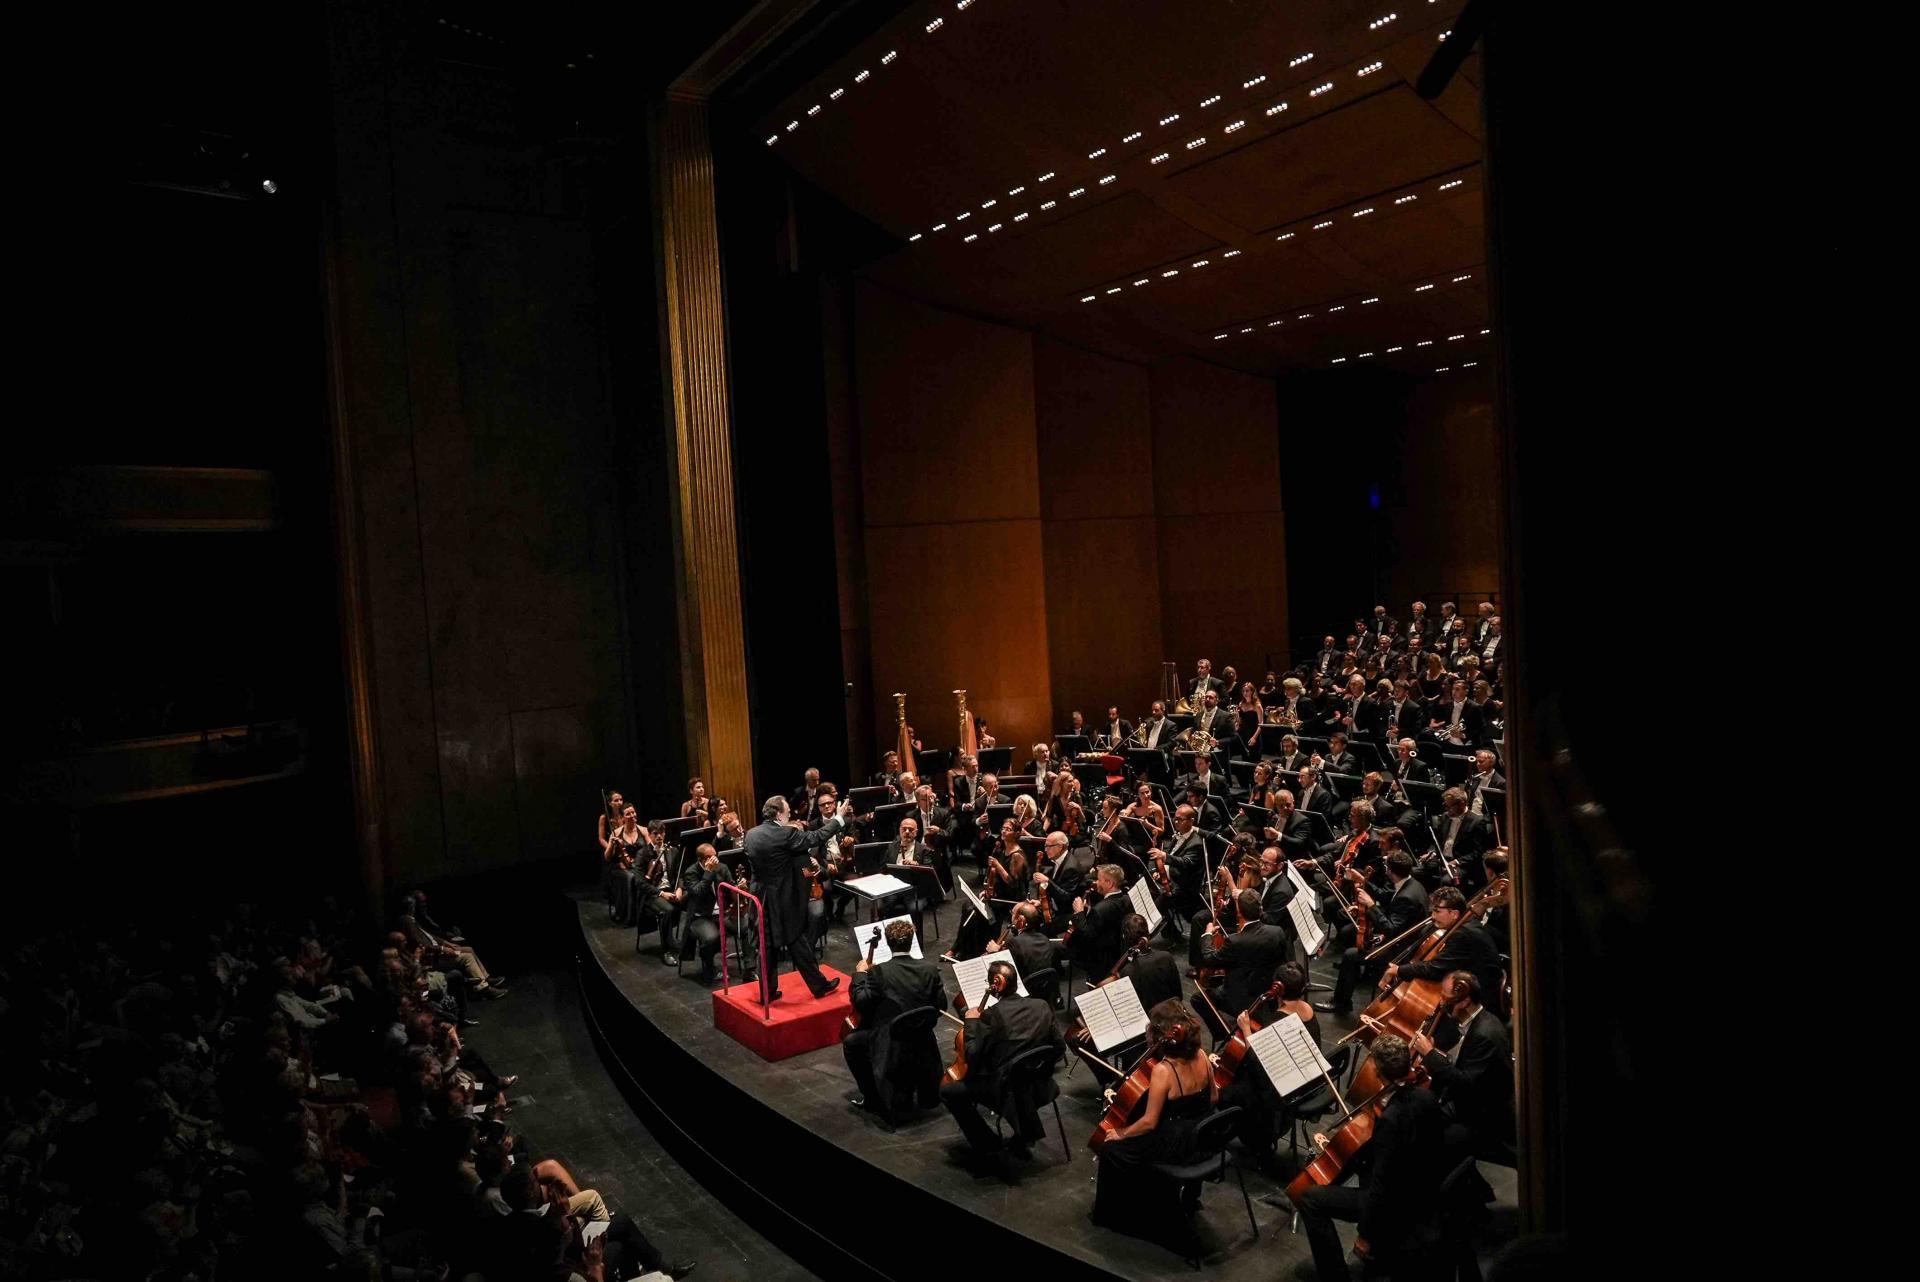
713, 638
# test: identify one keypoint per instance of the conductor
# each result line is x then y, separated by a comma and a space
778, 850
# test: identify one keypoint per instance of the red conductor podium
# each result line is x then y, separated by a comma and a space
795, 1023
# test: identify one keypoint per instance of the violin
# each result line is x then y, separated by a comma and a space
873, 944
1161, 877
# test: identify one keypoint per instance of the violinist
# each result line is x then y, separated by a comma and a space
879, 992
1061, 872
1063, 802
1469, 1057
1147, 812
1398, 1199
1128, 1195
1003, 1026
1388, 915
1026, 816
1468, 946
1097, 918
1250, 950
1028, 945
801, 798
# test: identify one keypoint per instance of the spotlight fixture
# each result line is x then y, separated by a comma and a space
1318, 226
1202, 262
814, 110
1021, 218
1341, 308
1210, 101
1317, 90
1048, 204
1362, 213
1339, 360
1089, 298
772, 140
1133, 137
889, 56
970, 239
269, 186
1275, 324
1167, 120
1285, 235
1043, 177
1369, 69
1401, 200
961, 218
835, 95
1238, 124
792, 125
1114, 290
1392, 350
1425, 342
916, 236
1197, 142
861, 77
1109, 178
1095, 155
1076, 193
935, 25
1218, 337
1142, 281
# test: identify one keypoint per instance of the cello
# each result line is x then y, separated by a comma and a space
1227, 1060
873, 944
957, 1071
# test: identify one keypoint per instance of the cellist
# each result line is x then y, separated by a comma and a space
1008, 1025
1389, 915
1250, 1089
1249, 956
1468, 947
1397, 1202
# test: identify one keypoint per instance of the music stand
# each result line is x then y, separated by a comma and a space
1368, 754
996, 816
1322, 830
1091, 774
1312, 743
1032, 845
1260, 816
1135, 867
1429, 751
690, 838
995, 761
871, 856
1456, 768
1494, 802
1424, 795
927, 894
1347, 786
1069, 745
672, 828
886, 819
1148, 763
865, 799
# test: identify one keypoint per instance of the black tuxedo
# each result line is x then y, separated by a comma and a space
1473, 721
897, 985
1470, 846
1482, 629
1250, 957
1097, 932
1474, 1077
1326, 661
1159, 734
1468, 948
1155, 976
1322, 800
1118, 732
1413, 770
1032, 951
1011, 1026
1296, 835
778, 852
1200, 687
1222, 723
1340, 764
1290, 766
1398, 1204
1381, 625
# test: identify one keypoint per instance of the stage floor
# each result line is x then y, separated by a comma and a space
1046, 1198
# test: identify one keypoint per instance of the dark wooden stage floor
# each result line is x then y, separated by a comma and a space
1045, 1199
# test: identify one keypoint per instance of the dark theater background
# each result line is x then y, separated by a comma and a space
445, 412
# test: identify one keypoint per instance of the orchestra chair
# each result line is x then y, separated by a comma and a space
915, 1079
1463, 1214
1209, 1164
1045, 984
1312, 1103
1030, 1073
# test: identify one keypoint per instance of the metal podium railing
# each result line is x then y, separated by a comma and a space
724, 891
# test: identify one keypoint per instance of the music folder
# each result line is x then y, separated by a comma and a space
1112, 1013
886, 819
865, 799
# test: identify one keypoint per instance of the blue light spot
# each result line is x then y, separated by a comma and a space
1373, 497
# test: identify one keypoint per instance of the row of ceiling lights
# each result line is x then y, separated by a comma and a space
1278, 321
1401, 347
1077, 192
1167, 273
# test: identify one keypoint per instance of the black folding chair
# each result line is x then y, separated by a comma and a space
1032, 1071
1044, 984
913, 1075
1209, 1163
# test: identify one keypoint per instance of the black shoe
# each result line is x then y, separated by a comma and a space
679, 1271
1332, 1009
831, 985
856, 1099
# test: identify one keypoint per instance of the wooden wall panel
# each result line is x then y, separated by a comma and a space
960, 605
946, 415
1216, 469
1446, 534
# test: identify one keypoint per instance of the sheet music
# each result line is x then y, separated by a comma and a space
971, 975
1141, 894
973, 898
883, 952
1288, 1054
1112, 1013
877, 885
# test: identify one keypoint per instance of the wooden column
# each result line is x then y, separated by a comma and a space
707, 554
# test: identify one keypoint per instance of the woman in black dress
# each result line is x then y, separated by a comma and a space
621, 856
1128, 1194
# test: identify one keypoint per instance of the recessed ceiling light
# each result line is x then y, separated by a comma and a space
1276, 108
774, 139
1095, 155
1231, 253
1114, 290
939, 226
1048, 204
1173, 272
1109, 178
860, 77
1378, 23
1017, 190
1318, 226
1043, 177
889, 56
964, 5
1365, 301
1369, 69
1455, 183
1362, 213
1140, 282
1317, 90
1210, 101
1247, 330
1339, 360
1304, 316
1401, 200
1469, 364
1443, 369
1273, 324
1341, 308
1021, 218
1238, 124
1454, 338
792, 125
814, 110
1134, 136
1391, 350
1218, 337
835, 95
961, 218
990, 204
1425, 342
1364, 355
996, 227
1463, 276
1089, 298
1285, 235
1162, 156
1167, 120
1486, 331
1076, 192
935, 25
1248, 84
916, 236
1202, 262
1421, 289
1197, 142
1302, 60
969, 240
1444, 35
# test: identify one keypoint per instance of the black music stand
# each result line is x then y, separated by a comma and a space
996, 816
1091, 774
690, 838
1424, 795
1310, 744
866, 798
1069, 745
927, 894
672, 828
1019, 786
1322, 829
1368, 754
1033, 846
995, 761
1347, 786
871, 857
886, 819
1259, 817
1148, 763
1456, 768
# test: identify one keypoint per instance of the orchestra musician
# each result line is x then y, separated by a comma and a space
1250, 1089
889, 775
998, 867
934, 821
1407, 766
1212, 785
622, 855
1397, 1205
1484, 776
1097, 917
1158, 730
1250, 952
1147, 812
963, 780
801, 798
1313, 797
880, 992
1326, 659
908, 849
1465, 840
1395, 911
665, 895
698, 802
1290, 758
1291, 828
699, 905
1185, 857
1119, 730
1339, 759
1005, 1025
1041, 767
1468, 948
1484, 627
1222, 723
1203, 682
1128, 1196
1469, 1058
